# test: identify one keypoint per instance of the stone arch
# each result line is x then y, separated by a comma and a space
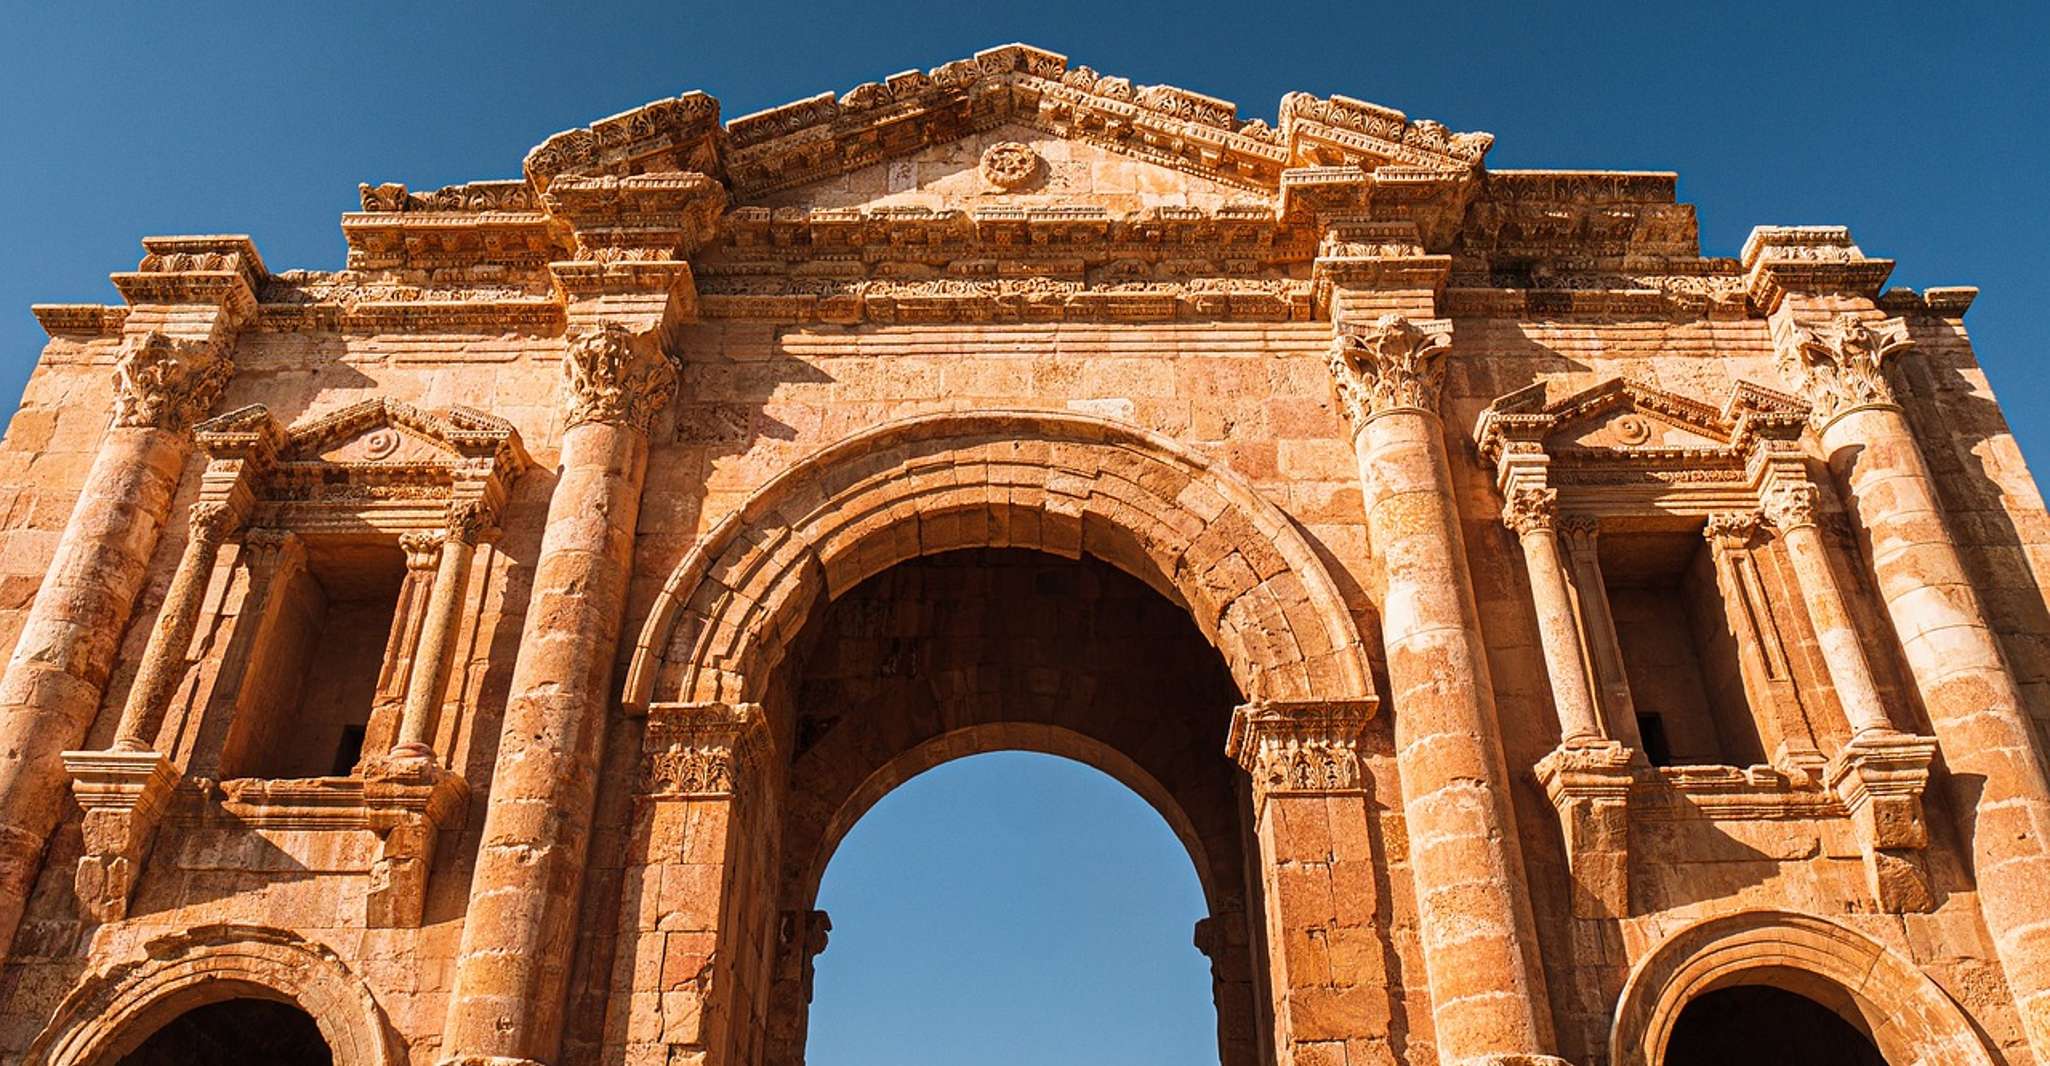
1055, 482
1007, 736
116, 1007
1910, 1019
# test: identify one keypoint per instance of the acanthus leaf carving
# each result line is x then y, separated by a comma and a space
615, 376
165, 383
1309, 746
1529, 510
701, 749
1393, 364
1790, 505
1841, 365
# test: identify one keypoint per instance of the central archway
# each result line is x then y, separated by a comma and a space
976, 651
1060, 483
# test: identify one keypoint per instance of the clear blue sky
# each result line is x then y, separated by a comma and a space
1923, 129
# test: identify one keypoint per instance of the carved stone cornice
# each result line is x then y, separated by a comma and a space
165, 383
220, 271
702, 750
1789, 505
1306, 746
1530, 510
614, 375
1393, 364
658, 216
1840, 365
1819, 260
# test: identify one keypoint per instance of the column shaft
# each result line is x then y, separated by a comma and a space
1997, 788
1487, 993
429, 678
61, 661
163, 661
514, 961
1791, 508
1530, 513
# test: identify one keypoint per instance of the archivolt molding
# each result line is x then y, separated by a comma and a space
1060, 483
1907, 1015
113, 1009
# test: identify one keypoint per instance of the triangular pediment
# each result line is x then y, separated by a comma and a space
1620, 413
389, 432
1017, 167
914, 112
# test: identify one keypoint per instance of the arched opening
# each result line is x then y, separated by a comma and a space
1001, 649
1763, 1025
235, 1031
1011, 898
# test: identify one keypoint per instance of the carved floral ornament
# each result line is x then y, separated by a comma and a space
1531, 510
1790, 505
1840, 365
701, 749
1310, 746
164, 383
613, 375
1009, 164
1394, 364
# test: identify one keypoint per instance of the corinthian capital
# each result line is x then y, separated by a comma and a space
1309, 746
1393, 364
1530, 510
613, 375
1790, 505
1841, 365
163, 383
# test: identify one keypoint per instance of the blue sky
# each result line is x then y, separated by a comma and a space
1019, 905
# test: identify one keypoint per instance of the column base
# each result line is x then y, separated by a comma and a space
124, 794
1880, 776
1589, 783
406, 802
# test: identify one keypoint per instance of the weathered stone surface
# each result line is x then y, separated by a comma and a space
495, 671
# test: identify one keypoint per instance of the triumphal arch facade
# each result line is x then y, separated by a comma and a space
1550, 643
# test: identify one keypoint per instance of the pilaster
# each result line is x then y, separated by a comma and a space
1327, 972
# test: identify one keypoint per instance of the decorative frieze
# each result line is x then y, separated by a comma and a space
613, 375
1393, 364
1304, 746
695, 750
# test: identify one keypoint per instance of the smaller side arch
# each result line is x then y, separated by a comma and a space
114, 1009
1910, 1019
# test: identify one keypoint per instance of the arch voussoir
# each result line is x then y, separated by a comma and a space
1065, 484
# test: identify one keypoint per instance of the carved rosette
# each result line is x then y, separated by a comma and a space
701, 750
1841, 365
1394, 364
612, 375
1009, 164
164, 383
1309, 746
1528, 511
1790, 505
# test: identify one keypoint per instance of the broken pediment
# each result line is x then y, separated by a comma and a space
1625, 419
